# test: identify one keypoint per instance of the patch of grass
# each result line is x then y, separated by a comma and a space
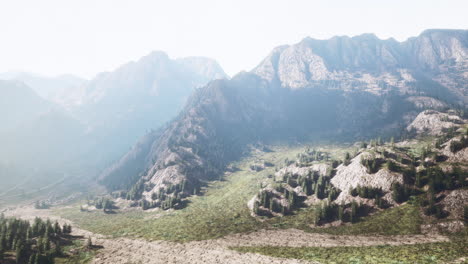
405, 254
222, 210
76, 254
402, 220
301, 219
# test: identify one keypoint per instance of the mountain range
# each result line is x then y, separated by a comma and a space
186, 120
343, 88
67, 125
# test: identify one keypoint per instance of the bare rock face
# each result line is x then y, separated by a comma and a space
424, 102
433, 122
293, 169
460, 157
443, 227
356, 174
444, 53
298, 65
455, 202
433, 63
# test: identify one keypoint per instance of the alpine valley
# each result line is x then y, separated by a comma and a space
344, 150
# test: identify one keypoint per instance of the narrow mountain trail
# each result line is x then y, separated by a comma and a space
127, 250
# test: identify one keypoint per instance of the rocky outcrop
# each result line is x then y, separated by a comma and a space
355, 174
455, 202
434, 123
320, 168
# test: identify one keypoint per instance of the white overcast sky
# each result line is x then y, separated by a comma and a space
84, 37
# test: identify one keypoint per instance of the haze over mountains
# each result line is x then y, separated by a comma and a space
66, 124
341, 88
324, 145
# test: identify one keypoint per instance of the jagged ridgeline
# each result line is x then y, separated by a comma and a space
337, 89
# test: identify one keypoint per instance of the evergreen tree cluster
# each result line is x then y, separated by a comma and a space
41, 205
313, 184
272, 201
309, 156
169, 197
36, 243
327, 211
104, 204
369, 193
165, 198
366, 192
135, 193
400, 192
372, 164
347, 159
438, 180
391, 166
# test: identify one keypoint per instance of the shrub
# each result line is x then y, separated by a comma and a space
456, 146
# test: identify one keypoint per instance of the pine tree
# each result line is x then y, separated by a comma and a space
36, 259
353, 211
57, 229
340, 212
318, 213
292, 200
19, 253
40, 245
465, 213
347, 160
57, 249
391, 166
46, 244
89, 243
417, 182
31, 258
256, 207
29, 234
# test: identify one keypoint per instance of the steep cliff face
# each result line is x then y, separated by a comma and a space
443, 56
433, 64
197, 144
338, 88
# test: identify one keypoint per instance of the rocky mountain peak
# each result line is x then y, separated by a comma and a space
368, 63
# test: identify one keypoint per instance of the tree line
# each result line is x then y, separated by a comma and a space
36, 243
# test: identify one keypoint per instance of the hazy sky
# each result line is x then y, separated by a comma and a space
85, 37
